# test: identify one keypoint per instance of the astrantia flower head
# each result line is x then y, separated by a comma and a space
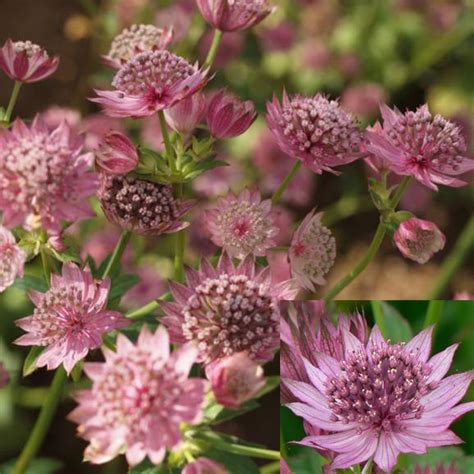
4, 377
134, 40
150, 82
418, 240
234, 15
140, 206
139, 397
44, 179
312, 252
381, 400
315, 130
205, 466
431, 149
12, 259
117, 154
69, 319
25, 61
242, 224
227, 309
186, 115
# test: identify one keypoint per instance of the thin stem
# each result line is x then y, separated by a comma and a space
42, 423
378, 317
271, 468
144, 310
283, 450
211, 55
180, 243
246, 450
45, 263
399, 192
435, 308
117, 255
276, 197
455, 259
12, 102
166, 139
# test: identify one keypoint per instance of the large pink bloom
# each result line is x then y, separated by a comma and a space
69, 319
381, 400
139, 397
12, 259
431, 149
228, 309
44, 178
150, 82
25, 61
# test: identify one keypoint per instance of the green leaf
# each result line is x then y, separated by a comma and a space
69, 255
77, 371
146, 467
30, 361
234, 463
392, 324
216, 413
445, 456
121, 284
307, 462
30, 282
37, 466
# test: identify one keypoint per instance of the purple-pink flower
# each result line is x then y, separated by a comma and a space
186, 115
235, 379
315, 130
12, 259
234, 15
44, 178
136, 39
151, 81
431, 149
418, 239
139, 398
227, 116
227, 309
69, 319
204, 466
312, 252
381, 399
116, 154
25, 61
242, 224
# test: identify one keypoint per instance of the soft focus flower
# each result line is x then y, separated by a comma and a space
43, 176
4, 377
134, 40
220, 180
127, 10
150, 132
279, 37
12, 259
235, 379
439, 469
230, 48
418, 240
178, 16
69, 319
187, 114
205, 466
234, 15
96, 127
464, 295
227, 310
150, 286
283, 220
143, 207
284, 469
242, 224
199, 234
381, 400
363, 99
54, 115
312, 252
150, 82
227, 116
314, 130
117, 154
279, 266
139, 397
25, 61
430, 149
314, 54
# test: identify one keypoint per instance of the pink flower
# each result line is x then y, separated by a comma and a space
150, 82
227, 116
284, 469
186, 115
227, 310
134, 40
117, 154
69, 319
418, 240
53, 117
235, 379
178, 16
44, 178
314, 130
151, 285
278, 38
12, 259
139, 397
143, 207
363, 99
4, 377
242, 224
312, 252
96, 127
416, 144
234, 15
381, 400
219, 181
25, 61
205, 466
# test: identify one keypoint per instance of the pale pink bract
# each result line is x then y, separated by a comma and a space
204, 466
116, 154
186, 115
12, 259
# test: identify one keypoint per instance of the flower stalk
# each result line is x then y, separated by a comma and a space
211, 55
12, 102
278, 193
117, 254
435, 308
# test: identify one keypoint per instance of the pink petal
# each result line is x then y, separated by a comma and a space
386, 453
420, 345
441, 363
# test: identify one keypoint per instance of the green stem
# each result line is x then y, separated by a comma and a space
276, 197
271, 468
250, 451
283, 450
211, 55
117, 255
345, 207
166, 140
399, 192
42, 423
144, 310
378, 317
12, 102
455, 259
435, 308
45, 263
180, 243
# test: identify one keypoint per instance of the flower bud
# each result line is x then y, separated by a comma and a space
235, 379
187, 114
227, 116
419, 240
117, 154
205, 466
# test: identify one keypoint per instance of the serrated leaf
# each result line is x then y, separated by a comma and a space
30, 361
391, 323
31, 282
121, 284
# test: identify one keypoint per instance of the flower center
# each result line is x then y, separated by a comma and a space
28, 47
